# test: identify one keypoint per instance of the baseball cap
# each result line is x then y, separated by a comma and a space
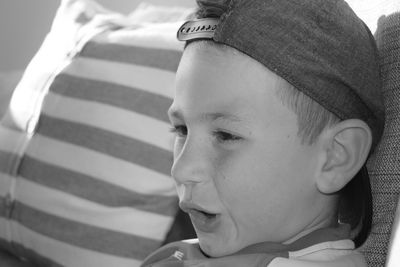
320, 47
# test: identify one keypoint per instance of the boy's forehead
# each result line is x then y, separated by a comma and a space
207, 71
207, 57
212, 52
217, 84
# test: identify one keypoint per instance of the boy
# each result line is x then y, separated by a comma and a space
277, 107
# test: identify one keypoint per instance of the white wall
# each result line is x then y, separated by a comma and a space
24, 23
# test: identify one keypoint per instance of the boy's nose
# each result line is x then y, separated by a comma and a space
191, 163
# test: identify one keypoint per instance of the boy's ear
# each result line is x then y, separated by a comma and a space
344, 150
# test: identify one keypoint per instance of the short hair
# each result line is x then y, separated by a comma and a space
211, 8
312, 118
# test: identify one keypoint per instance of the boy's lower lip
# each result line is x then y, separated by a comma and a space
204, 223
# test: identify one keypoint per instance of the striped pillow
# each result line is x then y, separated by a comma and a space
90, 185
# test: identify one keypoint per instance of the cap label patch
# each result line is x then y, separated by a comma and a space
198, 29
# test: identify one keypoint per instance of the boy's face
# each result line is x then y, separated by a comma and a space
241, 170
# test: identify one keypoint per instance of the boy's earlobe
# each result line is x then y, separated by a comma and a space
346, 148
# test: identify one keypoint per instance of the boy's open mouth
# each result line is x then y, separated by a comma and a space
205, 214
202, 220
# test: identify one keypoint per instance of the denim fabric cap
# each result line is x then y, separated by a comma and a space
319, 46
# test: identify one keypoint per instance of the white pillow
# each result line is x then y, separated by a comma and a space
85, 151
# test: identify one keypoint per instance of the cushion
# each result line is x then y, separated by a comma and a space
85, 154
384, 165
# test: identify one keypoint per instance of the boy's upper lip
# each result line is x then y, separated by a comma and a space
187, 206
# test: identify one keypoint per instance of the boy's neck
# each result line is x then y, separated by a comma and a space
330, 221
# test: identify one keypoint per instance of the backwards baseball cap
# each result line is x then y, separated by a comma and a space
319, 46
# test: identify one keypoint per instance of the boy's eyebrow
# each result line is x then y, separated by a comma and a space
219, 115
212, 116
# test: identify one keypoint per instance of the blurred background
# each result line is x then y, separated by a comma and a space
24, 24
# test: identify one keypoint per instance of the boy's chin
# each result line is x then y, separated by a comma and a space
214, 251
214, 247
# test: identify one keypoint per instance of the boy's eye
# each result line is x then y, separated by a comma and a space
179, 130
226, 137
